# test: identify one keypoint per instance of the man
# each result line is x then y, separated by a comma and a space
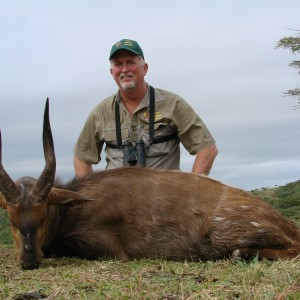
141, 115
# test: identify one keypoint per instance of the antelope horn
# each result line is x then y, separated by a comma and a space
8, 187
46, 179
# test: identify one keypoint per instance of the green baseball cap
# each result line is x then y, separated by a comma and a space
128, 45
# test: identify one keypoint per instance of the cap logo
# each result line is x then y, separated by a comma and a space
128, 43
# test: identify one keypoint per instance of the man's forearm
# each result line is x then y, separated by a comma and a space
81, 168
204, 160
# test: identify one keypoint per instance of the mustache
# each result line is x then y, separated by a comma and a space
125, 74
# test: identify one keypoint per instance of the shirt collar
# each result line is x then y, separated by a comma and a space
145, 101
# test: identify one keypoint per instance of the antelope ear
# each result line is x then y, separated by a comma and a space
3, 202
61, 196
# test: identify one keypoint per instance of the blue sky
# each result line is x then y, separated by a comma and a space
218, 55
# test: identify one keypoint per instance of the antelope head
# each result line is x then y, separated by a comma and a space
26, 201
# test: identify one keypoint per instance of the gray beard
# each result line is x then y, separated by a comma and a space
128, 85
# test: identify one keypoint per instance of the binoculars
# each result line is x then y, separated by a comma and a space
134, 155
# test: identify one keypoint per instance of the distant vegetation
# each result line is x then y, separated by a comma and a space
5, 234
285, 199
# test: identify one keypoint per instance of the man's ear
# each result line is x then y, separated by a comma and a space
145, 68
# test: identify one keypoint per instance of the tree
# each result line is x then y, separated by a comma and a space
293, 44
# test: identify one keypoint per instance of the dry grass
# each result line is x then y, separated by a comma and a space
147, 279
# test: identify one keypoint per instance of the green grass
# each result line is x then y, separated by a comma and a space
150, 279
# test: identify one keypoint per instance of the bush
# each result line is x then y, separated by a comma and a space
5, 233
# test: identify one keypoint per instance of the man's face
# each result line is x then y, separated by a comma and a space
128, 70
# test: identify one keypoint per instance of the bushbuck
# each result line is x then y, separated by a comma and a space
131, 213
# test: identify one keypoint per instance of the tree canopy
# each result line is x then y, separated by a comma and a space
293, 44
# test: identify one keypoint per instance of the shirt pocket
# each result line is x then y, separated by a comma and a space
109, 136
161, 149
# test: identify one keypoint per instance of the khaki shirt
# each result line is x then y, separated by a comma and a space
172, 115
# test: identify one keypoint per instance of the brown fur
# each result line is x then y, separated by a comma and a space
144, 213
130, 213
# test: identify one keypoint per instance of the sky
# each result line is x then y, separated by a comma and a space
219, 56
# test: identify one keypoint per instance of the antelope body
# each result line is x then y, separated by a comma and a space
130, 213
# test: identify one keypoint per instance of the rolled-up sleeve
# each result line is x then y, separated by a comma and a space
192, 131
88, 147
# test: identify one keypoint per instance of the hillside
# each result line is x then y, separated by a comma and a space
286, 199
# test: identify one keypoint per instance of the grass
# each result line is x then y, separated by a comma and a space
67, 278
